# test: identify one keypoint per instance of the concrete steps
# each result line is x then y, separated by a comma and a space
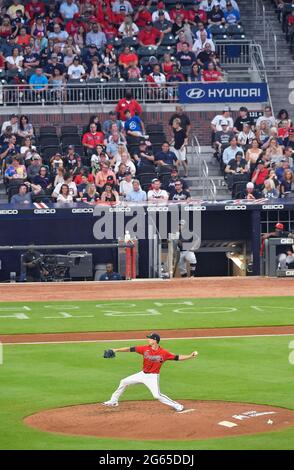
280, 77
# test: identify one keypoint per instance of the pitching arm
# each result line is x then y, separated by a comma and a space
189, 356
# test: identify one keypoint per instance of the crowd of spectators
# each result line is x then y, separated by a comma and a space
256, 157
45, 44
110, 161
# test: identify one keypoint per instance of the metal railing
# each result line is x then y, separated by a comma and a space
85, 92
207, 183
267, 28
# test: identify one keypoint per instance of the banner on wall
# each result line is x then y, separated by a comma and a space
223, 92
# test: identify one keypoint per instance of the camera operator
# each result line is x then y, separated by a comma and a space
34, 265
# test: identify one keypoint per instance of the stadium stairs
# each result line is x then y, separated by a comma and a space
278, 79
195, 180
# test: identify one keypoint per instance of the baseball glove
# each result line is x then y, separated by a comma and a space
108, 354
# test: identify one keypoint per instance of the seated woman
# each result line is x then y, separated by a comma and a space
109, 194
90, 193
195, 75
25, 128
253, 153
64, 195
287, 183
212, 74
270, 190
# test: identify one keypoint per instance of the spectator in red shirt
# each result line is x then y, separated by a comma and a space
211, 74
178, 10
127, 58
150, 36
34, 8
142, 16
128, 103
93, 138
260, 174
196, 15
72, 26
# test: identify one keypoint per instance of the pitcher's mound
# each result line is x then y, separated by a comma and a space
150, 420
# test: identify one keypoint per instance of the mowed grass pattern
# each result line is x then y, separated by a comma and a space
37, 377
53, 317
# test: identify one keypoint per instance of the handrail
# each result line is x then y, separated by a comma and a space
208, 185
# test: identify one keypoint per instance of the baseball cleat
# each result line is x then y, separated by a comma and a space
179, 408
110, 403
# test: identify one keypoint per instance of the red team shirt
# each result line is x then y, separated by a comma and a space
153, 360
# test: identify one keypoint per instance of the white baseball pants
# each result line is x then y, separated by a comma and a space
186, 256
151, 381
284, 260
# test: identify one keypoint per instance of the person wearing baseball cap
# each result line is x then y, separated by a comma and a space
156, 194
285, 254
153, 358
144, 158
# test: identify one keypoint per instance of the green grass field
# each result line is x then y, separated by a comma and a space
52, 317
37, 377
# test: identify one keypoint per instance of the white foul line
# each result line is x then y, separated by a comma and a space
140, 339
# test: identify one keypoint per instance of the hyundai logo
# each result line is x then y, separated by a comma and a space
195, 93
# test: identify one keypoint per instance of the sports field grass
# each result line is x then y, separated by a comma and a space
37, 377
52, 317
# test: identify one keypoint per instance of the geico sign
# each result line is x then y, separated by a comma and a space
273, 206
9, 212
287, 241
194, 208
157, 209
44, 211
83, 211
119, 209
290, 272
235, 208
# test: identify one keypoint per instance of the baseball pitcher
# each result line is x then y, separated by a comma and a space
154, 356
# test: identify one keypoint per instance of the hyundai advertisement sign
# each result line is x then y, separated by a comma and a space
223, 93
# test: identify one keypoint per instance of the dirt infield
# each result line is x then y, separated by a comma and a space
152, 289
200, 420
137, 335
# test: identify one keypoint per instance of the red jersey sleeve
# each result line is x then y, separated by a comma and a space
140, 349
168, 356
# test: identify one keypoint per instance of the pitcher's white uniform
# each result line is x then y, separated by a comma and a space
149, 376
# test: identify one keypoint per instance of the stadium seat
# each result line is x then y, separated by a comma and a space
48, 139
145, 180
168, 40
69, 130
154, 128
48, 152
70, 139
131, 42
48, 130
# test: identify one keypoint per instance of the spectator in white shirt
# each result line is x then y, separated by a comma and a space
68, 9
15, 60
128, 28
223, 4
219, 118
200, 43
267, 117
96, 36
76, 70
155, 14
13, 123
156, 194
58, 36
207, 5
122, 6
126, 185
